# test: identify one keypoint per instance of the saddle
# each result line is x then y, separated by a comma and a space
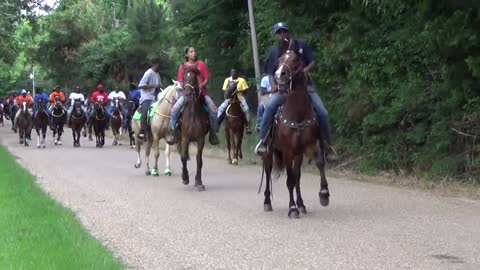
151, 111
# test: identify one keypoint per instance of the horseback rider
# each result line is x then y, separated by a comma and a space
76, 95
265, 89
101, 97
53, 98
282, 35
204, 74
40, 96
20, 99
149, 82
120, 95
242, 86
134, 96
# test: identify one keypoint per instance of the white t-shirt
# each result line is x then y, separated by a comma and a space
119, 95
265, 83
150, 77
75, 96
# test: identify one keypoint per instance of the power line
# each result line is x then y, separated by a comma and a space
207, 9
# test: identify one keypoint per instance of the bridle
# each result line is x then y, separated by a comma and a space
292, 73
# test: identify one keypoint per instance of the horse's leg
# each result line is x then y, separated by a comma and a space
324, 193
38, 137
198, 177
59, 138
267, 203
148, 148
229, 145
291, 183
167, 171
156, 149
298, 173
138, 164
74, 135
238, 144
184, 158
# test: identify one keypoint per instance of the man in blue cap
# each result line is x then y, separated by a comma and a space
277, 98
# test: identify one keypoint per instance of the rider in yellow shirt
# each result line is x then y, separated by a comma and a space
242, 87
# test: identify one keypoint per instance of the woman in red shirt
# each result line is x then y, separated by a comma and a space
191, 60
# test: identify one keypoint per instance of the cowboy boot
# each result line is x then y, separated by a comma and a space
172, 135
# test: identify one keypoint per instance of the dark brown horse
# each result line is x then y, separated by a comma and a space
77, 122
194, 125
59, 118
127, 128
24, 124
40, 122
234, 124
100, 123
116, 121
294, 135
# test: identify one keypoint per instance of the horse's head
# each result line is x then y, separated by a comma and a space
289, 68
40, 103
116, 102
190, 82
77, 107
58, 102
24, 108
98, 108
231, 88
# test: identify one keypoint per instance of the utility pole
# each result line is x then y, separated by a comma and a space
32, 76
256, 60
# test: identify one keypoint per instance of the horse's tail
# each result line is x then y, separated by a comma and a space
278, 164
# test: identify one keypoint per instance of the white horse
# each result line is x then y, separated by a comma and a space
159, 124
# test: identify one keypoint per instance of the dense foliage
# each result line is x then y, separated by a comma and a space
399, 78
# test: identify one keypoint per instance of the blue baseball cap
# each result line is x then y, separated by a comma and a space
280, 25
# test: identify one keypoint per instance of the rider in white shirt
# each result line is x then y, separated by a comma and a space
116, 94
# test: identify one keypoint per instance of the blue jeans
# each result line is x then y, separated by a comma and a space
144, 107
277, 99
260, 111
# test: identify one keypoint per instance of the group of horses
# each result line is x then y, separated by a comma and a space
79, 121
294, 135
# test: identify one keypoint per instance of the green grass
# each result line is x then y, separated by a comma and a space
38, 233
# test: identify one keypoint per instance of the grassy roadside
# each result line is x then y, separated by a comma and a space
38, 233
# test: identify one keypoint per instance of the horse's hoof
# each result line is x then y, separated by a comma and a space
302, 209
43, 146
168, 172
267, 208
154, 172
200, 187
234, 162
185, 178
229, 161
293, 213
185, 181
148, 173
137, 165
38, 145
26, 144
59, 143
324, 197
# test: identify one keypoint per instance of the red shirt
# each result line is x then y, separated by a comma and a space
204, 74
101, 98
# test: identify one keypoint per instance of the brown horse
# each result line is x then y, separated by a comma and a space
234, 124
78, 119
294, 134
194, 125
24, 124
